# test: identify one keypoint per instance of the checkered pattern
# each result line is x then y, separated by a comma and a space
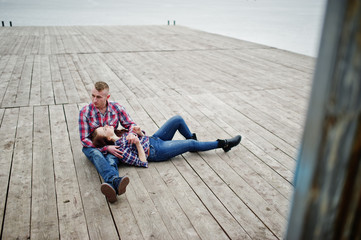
90, 118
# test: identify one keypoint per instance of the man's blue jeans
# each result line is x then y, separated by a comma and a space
106, 165
162, 147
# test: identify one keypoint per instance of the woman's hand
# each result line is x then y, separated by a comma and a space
114, 150
137, 130
131, 138
136, 140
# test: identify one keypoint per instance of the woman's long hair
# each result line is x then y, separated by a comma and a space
101, 141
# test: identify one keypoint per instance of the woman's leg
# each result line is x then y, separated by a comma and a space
165, 150
169, 128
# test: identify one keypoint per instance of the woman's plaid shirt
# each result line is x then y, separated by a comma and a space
130, 152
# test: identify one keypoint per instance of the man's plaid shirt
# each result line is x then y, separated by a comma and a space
90, 118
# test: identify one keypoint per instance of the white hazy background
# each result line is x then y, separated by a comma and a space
293, 25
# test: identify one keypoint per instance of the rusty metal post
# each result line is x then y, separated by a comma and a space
327, 197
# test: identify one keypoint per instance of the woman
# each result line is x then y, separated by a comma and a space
160, 146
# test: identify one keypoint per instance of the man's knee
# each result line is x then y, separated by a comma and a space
92, 153
113, 160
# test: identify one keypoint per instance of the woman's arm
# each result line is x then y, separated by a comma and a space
141, 153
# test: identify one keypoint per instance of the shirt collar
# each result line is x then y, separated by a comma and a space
96, 110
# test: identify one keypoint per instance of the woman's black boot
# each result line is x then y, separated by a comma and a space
194, 136
227, 144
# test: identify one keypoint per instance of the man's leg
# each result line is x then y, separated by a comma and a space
107, 167
118, 183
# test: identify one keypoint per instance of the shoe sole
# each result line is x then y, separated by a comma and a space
122, 188
109, 192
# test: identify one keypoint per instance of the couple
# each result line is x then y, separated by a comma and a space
106, 146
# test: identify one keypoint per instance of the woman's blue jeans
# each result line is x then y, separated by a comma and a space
162, 147
106, 165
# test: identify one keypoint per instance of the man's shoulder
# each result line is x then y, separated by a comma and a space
86, 109
115, 106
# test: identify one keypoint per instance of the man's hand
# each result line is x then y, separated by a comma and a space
132, 138
114, 150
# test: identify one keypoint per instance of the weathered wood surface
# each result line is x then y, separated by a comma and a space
221, 86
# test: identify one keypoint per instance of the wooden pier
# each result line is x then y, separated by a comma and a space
220, 85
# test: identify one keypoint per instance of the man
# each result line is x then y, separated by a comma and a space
101, 112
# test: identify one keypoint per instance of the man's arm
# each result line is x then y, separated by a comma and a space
126, 121
124, 118
84, 131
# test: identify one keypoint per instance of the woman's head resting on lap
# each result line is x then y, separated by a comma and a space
103, 136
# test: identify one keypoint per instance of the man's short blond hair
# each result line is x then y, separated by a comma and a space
100, 86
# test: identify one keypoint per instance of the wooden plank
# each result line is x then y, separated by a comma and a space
147, 216
133, 63
209, 76
134, 84
2, 111
232, 190
3, 61
188, 200
291, 127
105, 74
17, 44
72, 223
68, 82
231, 202
44, 214
220, 111
12, 88
59, 43
153, 70
98, 216
23, 94
58, 85
35, 96
279, 132
5, 74
36, 45
202, 220
246, 192
174, 218
84, 75
116, 78
52, 42
171, 213
82, 92
47, 94
22, 46
258, 165
29, 45
18, 204
7, 131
